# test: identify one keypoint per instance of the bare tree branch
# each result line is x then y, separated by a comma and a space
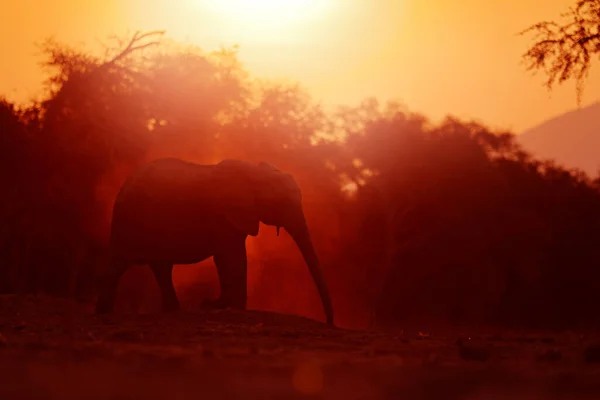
134, 45
564, 51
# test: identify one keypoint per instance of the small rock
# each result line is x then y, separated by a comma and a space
289, 334
592, 354
473, 353
549, 355
524, 339
127, 336
432, 359
208, 353
497, 338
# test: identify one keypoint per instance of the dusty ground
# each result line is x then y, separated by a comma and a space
53, 349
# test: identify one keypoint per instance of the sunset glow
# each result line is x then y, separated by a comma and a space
437, 57
261, 14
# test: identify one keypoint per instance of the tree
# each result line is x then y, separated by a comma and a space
564, 51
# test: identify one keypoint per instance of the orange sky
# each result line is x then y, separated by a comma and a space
437, 56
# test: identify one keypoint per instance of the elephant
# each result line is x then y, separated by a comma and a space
173, 211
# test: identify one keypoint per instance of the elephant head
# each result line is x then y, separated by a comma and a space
249, 193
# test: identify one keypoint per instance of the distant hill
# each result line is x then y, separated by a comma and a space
572, 139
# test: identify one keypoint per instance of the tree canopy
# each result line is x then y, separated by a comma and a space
413, 220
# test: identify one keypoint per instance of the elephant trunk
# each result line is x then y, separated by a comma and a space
300, 234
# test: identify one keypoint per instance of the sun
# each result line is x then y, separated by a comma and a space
265, 13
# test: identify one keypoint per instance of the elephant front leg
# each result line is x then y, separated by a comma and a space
232, 268
163, 272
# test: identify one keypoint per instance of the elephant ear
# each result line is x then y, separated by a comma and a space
234, 195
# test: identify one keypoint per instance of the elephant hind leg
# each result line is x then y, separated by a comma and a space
163, 273
108, 287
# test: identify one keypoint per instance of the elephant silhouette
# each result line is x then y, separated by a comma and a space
171, 211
